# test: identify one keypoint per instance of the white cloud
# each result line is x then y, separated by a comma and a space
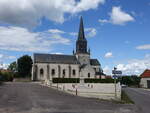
107, 70
73, 33
118, 17
136, 66
3, 66
90, 32
29, 12
143, 47
21, 39
6, 57
108, 55
103, 21
56, 31
58, 53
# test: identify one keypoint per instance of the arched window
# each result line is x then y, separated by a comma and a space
53, 72
88, 75
74, 72
64, 72
41, 72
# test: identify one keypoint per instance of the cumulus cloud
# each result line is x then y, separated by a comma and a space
89, 32
136, 66
143, 47
30, 12
56, 31
3, 66
118, 17
107, 70
6, 57
108, 55
21, 39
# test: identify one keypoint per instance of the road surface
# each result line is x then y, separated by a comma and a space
141, 97
34, 98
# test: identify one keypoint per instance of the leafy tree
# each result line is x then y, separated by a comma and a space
24, 64
13, 67
130, 80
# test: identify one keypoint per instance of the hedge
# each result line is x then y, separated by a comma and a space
6, 76
65, 80
86, 80
108, 80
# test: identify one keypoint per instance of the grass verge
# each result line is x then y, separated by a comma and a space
125, 99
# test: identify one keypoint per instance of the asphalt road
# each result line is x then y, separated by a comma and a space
141, 97
34, 98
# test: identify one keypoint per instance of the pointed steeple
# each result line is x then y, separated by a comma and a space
81, 35
81, 43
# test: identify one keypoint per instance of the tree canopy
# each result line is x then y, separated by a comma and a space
24, 64
13, 67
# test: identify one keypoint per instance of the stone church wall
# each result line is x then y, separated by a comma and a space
56, 70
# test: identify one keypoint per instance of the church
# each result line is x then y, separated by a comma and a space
78, 65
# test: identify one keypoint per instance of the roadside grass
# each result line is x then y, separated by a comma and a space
125, 99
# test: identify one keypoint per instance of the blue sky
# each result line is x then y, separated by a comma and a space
118, 31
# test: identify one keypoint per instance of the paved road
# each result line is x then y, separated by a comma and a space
34, 98
141, 97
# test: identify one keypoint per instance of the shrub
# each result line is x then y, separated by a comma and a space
107, 80
87, 80
65, 80
6, 76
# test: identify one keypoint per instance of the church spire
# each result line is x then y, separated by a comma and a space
81, 43
81, 35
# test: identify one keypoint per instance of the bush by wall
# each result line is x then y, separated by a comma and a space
107, 80
65, 80
87, 80
6, 76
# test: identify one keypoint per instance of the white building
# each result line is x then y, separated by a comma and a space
78, 65
145, 79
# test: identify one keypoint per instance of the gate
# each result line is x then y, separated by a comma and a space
148, 83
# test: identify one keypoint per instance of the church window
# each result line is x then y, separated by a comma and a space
53, 72
88, 75
41, 72
64, 73
74, 72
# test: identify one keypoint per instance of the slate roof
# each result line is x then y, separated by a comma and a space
94, 62
145, 74
55, 58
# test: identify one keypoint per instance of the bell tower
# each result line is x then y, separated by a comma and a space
81, 46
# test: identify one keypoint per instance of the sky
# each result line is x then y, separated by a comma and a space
117, 31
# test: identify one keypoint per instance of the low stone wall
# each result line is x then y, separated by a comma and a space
91, 90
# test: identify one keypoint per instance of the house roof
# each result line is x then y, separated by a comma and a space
145, 74
55, 58
94, 62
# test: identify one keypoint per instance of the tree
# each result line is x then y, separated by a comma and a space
24, 64
13, 67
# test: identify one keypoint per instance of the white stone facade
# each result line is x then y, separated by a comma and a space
143, 82
56, 71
